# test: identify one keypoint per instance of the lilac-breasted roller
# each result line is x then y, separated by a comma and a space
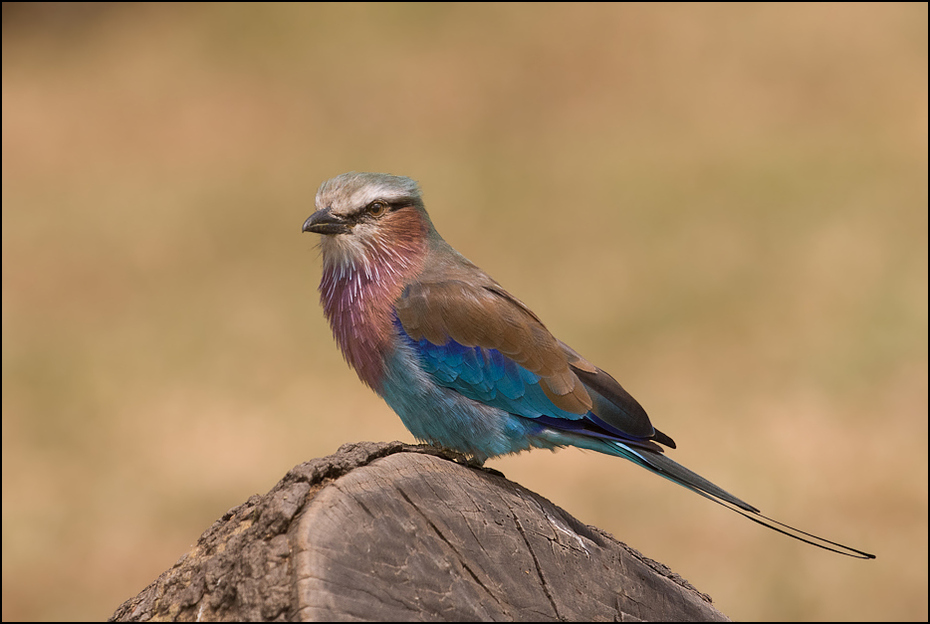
465, 364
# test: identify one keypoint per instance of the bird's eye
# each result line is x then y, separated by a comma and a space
377, 208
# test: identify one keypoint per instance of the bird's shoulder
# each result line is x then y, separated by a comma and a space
448, 278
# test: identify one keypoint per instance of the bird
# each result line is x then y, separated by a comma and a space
466, 365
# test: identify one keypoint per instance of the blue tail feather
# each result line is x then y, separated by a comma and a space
661, 465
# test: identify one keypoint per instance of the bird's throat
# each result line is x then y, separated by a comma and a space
358, 295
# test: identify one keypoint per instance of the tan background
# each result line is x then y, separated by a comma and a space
724, 206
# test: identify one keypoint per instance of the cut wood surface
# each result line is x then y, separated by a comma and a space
390, 531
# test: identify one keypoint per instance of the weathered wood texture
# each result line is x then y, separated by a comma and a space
389, 531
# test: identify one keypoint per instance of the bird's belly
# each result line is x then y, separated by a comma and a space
443, 416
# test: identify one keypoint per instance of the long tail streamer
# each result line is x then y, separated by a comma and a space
675, 472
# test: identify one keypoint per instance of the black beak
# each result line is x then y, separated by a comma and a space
325, 222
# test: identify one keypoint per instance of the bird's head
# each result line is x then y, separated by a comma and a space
375, 237
362, 214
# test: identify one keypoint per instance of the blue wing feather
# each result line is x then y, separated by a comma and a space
489, 376
486, 375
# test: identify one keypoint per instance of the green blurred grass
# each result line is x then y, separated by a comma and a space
724, 206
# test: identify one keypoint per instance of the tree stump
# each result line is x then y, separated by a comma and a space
390, 531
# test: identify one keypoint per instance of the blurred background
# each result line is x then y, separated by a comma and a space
725, 206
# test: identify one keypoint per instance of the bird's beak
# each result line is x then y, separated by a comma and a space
325, 222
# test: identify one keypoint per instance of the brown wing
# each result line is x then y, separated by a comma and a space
490, 318
487, 316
